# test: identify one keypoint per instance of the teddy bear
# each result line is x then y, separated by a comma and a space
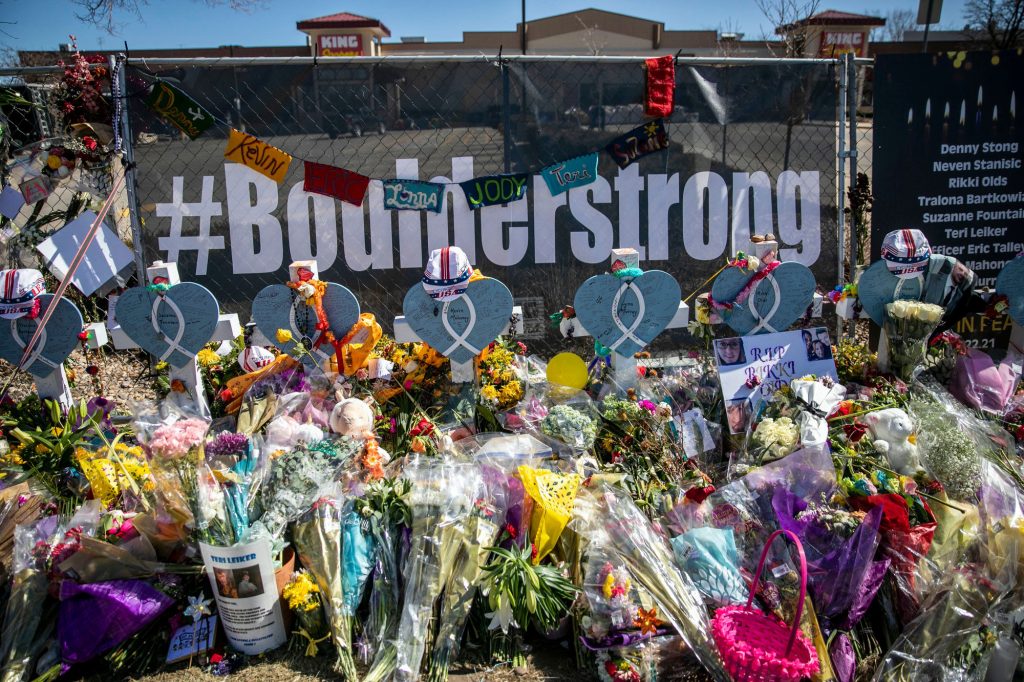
892, 431
354, 417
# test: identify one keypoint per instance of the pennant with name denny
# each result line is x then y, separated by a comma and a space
638, 142
495, 189
180, 110
258, 155
564, 175
412, 195
331, 181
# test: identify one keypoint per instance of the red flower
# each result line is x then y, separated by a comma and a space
90, 143
855, 431
511, 530
226, 395
83, 335
522, 347
1019, 432
697, 494
216, 658
424, 428
533, 551
92, 370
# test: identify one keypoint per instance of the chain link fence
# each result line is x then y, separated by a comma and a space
753, 150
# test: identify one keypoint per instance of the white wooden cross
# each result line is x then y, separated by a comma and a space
228, 328
624, 368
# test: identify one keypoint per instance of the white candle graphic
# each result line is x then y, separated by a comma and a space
963, 112
977, 114
945, 122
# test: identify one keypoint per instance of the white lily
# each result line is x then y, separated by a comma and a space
502, 616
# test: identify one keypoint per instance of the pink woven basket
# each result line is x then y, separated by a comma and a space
757, 647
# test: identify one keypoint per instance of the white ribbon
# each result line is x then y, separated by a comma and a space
294, 325
460, 339
37, 351
172, 344
762, 321
641, 305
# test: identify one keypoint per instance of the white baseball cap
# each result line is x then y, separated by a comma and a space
447, 274
19, 291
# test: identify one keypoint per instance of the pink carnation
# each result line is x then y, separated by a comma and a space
648, 405
175, 440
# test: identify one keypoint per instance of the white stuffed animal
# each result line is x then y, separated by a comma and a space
354, 417
891, 430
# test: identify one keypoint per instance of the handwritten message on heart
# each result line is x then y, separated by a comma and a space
58, 339
773, 303
878, 287
460, 329
626, 315
258, 155
279, 307
172, 327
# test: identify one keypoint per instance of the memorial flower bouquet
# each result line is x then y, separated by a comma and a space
571, 426
773, 439
907, 325
497, 367
305, 600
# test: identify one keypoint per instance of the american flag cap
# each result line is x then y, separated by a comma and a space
906, 252
447, 274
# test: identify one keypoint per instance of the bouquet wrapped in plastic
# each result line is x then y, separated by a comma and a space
907, 326
608, 517
25, 605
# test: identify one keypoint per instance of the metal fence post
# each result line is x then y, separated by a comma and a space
852, 96
128, 164
841, 187
506, 117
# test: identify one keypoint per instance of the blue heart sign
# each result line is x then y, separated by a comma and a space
171, 326
1010, 283
878, 287
627, 314
58, 339
768, 304
461, 328
280, 307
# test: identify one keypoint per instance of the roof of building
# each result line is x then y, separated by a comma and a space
832, 17
342, 20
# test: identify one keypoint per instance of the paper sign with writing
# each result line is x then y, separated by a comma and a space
172, 327
638, 142
462, 328
495, 189
771, 304
35, 189
751, 368
106, 258
178, 109
564, 175
344, 185
257, 155
11, 201
1010, 283
58, 339
192, 639
626, 315
413, 195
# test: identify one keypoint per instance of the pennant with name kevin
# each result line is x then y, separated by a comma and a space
258, 155
178, 109
345, 185
638, 143
564, 175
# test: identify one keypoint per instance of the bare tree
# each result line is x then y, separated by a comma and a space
897, 23
729, 36
1001, 22
787, 16
104, 13
590, 37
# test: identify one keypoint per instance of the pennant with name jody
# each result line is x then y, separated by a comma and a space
412, 195
564, 175
495, 189
258, 155
180, 110
332, 181
638, 142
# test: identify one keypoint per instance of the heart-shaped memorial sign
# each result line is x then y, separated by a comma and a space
280, 307
462, 328
627, 314
771, 304
172, 326
1010, 283
59, 337
878, 287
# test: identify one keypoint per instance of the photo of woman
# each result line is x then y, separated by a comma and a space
730, 352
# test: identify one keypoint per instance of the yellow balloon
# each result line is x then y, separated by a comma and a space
567, 369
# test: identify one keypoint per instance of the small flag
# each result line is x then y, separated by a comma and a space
564, 175
638, 143
180, 110
339, 183
257, 155
495, 189
412, 195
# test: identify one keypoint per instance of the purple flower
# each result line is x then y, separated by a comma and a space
228, 443
648, 405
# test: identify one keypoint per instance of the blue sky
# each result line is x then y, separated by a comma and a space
42, 24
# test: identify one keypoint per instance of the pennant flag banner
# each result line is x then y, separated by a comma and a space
257, 155
331, 181
638, 143
564, 175
412, 195
660, 85
180, 110
495, 189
